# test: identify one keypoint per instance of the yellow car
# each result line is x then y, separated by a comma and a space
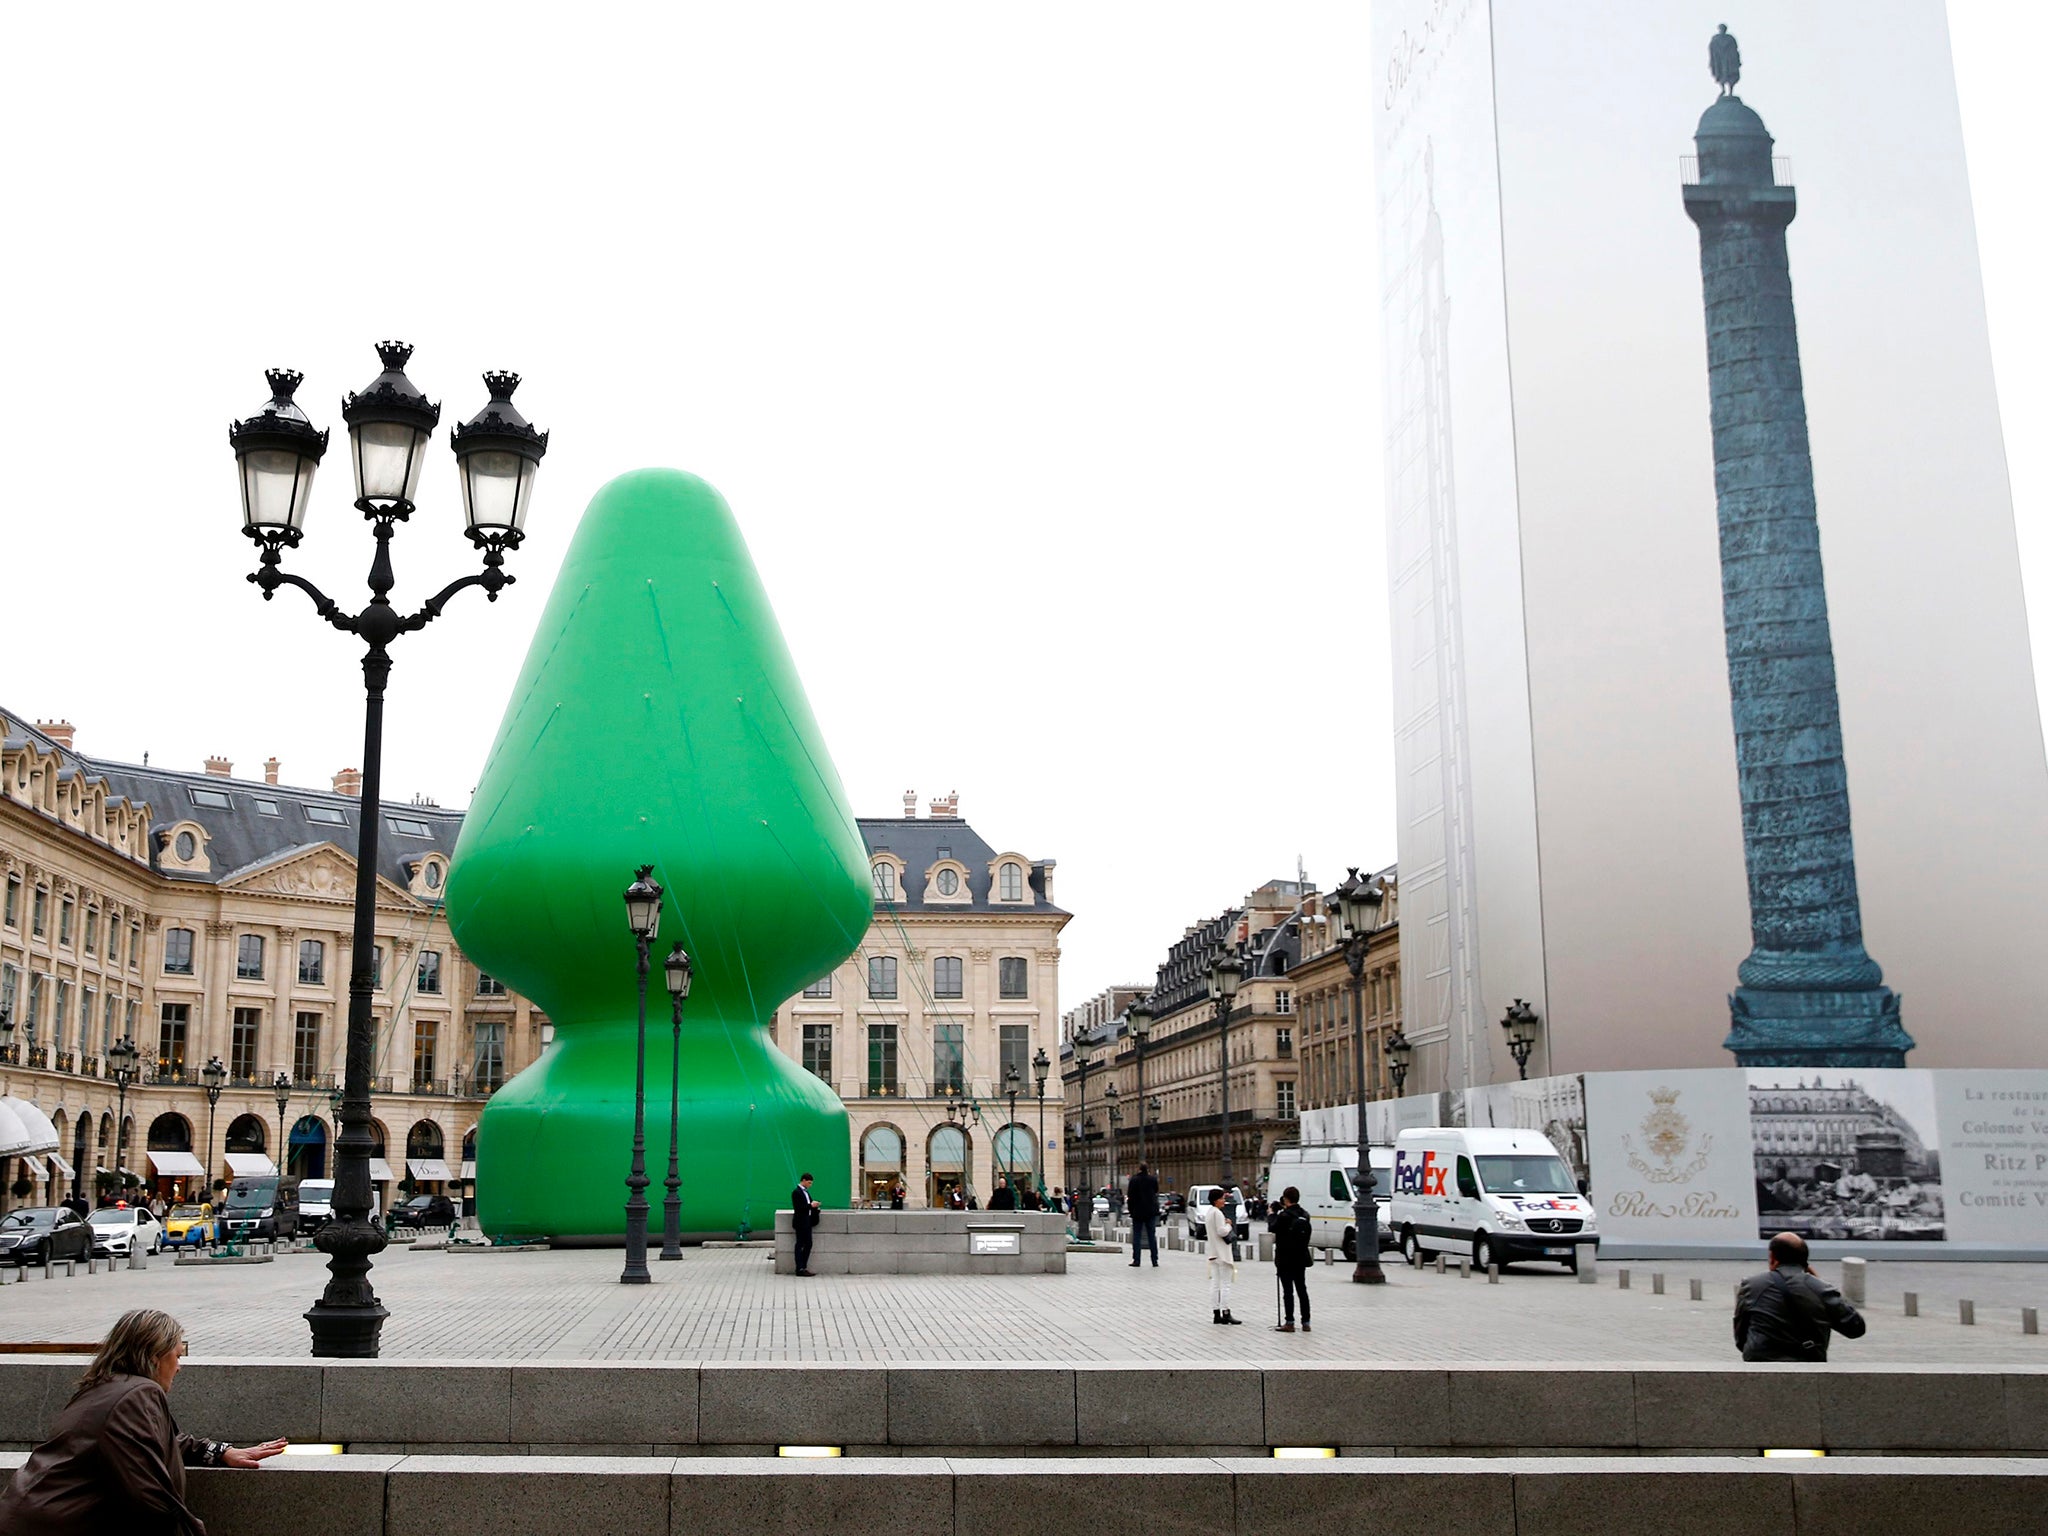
189, 1226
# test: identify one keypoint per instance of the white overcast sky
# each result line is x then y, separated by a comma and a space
1035, 347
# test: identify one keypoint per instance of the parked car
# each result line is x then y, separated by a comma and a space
1500, 1195
119, 1230
1325, 1175
316, 1204
425, 1211
39, 1232
190, 1226
265, 1208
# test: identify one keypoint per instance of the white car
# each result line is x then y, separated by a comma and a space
116, 1233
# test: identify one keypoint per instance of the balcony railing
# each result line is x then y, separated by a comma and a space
1689, 170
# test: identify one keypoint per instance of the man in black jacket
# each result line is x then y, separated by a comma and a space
1292, 1255
1788, 1312
804, 1219
1141, 1199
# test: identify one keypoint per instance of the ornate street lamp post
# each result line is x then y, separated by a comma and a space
276, 451
1112, 1095
1399, 1054
1359, 902
643, 916
677, 967
1521, 1025
1138, 1020
213, 1078
281, 1090
1041, 1067
1011, 1083
1226, 975
1084, 1203
121, 1067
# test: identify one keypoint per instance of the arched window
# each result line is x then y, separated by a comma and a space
1010, 881
948, 1150
1016, 1151
885, 880
247, 1133
170, 1133
881, 1149
307, 1153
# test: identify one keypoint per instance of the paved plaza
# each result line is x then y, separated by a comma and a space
725, 1304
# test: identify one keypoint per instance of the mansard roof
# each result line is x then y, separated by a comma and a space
923, 842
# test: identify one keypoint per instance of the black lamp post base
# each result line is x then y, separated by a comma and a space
632, 1277
1368, 1272
344, 1332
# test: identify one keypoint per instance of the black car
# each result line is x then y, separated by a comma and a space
41, 1232
425, 1211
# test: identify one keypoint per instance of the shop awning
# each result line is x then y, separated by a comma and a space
380, 1171
63, 1167
176, 1165
14, 1136
34, 1129
431, 1168
250, 1165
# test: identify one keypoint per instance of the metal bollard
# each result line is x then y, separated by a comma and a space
1439, 1263
1912, 1303
137, 1259
1464, 1269
1693, 1287
70, 1268
1589, 1268
1657, 1284
1854, 1272
49, 1269
2030, 1320
1493, 1274
1621, 1279
1966, 1312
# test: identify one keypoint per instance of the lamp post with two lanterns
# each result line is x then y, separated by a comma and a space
121, 1068
1084, 1203
1138, 1020
1359, 901
1226, 975
213, 1078
276, 451
677, 969
1041, 1068
1520, 1023
643, 916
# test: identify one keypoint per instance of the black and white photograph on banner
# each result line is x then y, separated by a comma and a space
1846, 1153
1556, 1106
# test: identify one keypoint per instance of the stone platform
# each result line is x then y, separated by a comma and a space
928, 1243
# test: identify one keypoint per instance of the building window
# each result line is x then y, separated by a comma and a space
265, 807
949, 882
107, 1029
885, 881
406, 827
63, 1019
488, 1074
92, 930
1010, 881
1283, 1000
882, 976
178, 951
426, 1036
242, 1044
430, 972
10, 983
128, 1018
326, 814
822, 987
35, 1002
135, 946
39, 913
87, 996
882, 1060
306, 1047
13, 915
212, 799
312, 963
949, 1061
818, 1051
170, 1039
1284, 1087
1011, 977
948, 979
67, 910
488, 985
1283, 1041
249, 957
186, 847
1013, 1053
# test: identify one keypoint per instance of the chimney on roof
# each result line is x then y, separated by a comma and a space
59, 731
270, 770
950, 806
349, 782
220, 767
910, 805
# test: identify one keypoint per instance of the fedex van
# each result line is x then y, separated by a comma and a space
1501, 1195
1325, 1175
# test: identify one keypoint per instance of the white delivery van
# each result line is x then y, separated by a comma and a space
1324, 1176
1499, 1195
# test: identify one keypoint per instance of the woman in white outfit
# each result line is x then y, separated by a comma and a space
1222, 1264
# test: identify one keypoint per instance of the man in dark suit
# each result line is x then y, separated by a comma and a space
1141, 1199
804, 1219
1788, 1312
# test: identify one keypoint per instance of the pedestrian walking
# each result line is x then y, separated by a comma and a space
804, 1218
1292, 1256
1004, 1198
1141, 1199
1222, 1260
1788, 1312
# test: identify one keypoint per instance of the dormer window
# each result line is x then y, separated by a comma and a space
885, 880
1010, 881
949, 882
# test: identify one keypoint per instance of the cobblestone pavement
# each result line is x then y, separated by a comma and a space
726, 1304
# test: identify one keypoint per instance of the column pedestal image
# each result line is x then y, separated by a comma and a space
1808, 994
658, 720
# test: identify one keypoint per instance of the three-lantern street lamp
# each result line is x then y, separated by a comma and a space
1084, 1204
1399, 1054
497, 453
1011, 1084
281, 1090
121, 1068
1041, 1068
1226, 975
643, 917
1521, 1025
213, 1078
1359, 905
1112, 1095
677, 969
1138, 1020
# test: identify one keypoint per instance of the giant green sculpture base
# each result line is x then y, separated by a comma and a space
658, 720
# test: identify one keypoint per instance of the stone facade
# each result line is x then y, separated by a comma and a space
955, 985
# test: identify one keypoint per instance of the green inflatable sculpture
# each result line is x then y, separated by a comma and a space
658, 720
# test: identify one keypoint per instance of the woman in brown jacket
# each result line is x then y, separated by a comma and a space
115, 1460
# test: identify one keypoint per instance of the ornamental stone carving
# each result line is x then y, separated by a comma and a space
216, 930
287, 935
153, 923
980, 956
